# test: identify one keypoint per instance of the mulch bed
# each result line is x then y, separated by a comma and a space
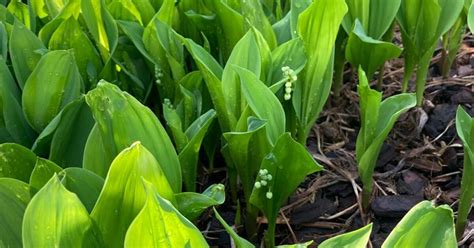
421, 159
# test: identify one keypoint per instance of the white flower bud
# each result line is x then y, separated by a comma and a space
288, 90
269, 177
257, 185
288, 85
263, 182
287, 96
269, 195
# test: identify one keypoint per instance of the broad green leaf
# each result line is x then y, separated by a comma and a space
253, 13
115, 112
166, 50
424, 226
291, 54
146, 10
239, 242
123, 195
263, 103
64, 139
318, 26
375, 16
44, 170
192, 205
212, 74
230, 26
53, 84
55, 217
422, 23
371, 54
465, 130
69, 35
355, 239
246, 55
23, 52
95, 145
247, 150
13, 125
288, 164
20, 11
188, 157
16, 161
72, 9
85, 184
4, 41
377, 118
135, 33
54, 7
159, 224
124, 10
14, 197
70, 136
101, 26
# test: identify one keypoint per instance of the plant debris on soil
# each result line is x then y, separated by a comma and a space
421, 160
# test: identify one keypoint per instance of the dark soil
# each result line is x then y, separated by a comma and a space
421, 160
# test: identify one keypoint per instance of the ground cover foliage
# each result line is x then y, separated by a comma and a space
163, 123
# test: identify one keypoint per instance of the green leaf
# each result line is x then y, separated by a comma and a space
230, 26
159, 224
303, 245
23, 47
375, 16
470, 17
20, 11
69, 35
192, 205
424, 226
44, 170
377, 120
291, 54
135, 33
230, 79
247, 150
422, 23
85, 184
123, 195
239, 242
263, 103
124, 10
55, 217
115, 112
465, 130
212, 74
65, 137
288, 164
71, 10
101, 26
188, 157
253, 13
53, 84
14, 197
355, 239
369, 53
16, 161
13, 125
318, 26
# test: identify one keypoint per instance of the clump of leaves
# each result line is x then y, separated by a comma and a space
377, 119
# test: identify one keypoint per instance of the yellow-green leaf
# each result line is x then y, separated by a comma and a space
123, 195
159, 224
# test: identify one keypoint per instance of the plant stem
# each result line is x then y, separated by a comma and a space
251, 222
270, 235
366, 195
421, 74
380, 79
338, 76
